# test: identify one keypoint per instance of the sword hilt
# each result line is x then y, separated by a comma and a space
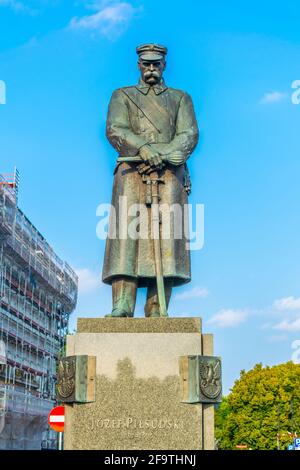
152, 188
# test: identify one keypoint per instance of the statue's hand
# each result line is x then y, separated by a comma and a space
176, 158
145, 169
151, 156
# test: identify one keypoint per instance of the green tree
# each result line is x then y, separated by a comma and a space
262, 409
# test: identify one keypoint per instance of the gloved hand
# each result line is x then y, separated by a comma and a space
175, 158
151, 156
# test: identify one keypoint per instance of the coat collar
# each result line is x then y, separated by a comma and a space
144, 88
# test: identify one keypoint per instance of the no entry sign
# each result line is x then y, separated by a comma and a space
56, 418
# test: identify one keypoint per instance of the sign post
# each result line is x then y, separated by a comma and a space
56, 420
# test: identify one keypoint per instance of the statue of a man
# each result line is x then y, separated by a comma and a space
154, 130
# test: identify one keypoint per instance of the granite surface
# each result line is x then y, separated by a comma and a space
139, 325
137, 386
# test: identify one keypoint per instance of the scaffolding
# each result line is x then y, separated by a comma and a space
38, 292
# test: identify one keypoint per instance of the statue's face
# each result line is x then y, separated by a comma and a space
152, 71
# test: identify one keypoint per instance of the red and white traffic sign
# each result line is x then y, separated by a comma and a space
56, 418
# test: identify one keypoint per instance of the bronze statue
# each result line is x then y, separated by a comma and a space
154, 130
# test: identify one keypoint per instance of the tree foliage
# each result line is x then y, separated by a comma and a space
264, 404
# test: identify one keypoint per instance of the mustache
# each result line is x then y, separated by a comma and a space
151, 74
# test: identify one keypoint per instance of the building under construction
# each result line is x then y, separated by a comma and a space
38, 292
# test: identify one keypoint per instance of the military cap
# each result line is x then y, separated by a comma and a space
151, 51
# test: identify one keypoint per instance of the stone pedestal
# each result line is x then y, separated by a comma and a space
137, 404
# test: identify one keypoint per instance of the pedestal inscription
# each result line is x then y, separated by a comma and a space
137, 386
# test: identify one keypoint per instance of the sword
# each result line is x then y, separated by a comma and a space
175, 158
152, 200
154, 182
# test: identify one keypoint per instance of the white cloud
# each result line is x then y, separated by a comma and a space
287, 325
277, 338
110, 21
273, 97
287, 303
16, 6
87, 280
266, 326
228, 318
196, 292
279, 309
275, 317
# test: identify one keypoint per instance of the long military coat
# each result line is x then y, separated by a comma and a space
139, 115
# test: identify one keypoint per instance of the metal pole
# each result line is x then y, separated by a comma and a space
60, 441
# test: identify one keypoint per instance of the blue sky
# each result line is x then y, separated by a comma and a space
61, 60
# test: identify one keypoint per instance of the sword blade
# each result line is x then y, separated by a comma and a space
157, 251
